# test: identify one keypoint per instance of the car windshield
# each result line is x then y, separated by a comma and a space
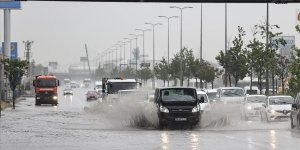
212, 95
251, 92
178, 95
43, 83
256, 99
232, 92
205, 97
280, 100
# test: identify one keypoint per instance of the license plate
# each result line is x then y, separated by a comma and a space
180, 119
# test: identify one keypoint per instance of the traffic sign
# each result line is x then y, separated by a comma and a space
13, 48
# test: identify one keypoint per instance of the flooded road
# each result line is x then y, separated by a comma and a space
69, 126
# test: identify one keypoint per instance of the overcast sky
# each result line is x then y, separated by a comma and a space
60, 29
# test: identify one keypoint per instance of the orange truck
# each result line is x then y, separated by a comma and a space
46, 89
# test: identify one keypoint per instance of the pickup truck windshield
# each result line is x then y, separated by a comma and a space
178, 95
44, 83
114, 87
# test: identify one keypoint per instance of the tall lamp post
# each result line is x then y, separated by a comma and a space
143, 41
135, 37
168, 38
130, 50
181, 71
153, 26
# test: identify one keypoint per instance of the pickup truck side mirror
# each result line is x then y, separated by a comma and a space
264, 105
58, 83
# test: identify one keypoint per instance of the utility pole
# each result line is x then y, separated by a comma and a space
267, 49
88, 60
28, 56
226, 76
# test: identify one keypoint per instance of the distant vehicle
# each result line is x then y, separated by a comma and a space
68, 91
177, 105
86, 82
98, 86
212, 94
111, 86
67, 81
46, 89
74, 84
205, 106
252, 105
254, 91
91, 95
295, 115
230, 95
277, 108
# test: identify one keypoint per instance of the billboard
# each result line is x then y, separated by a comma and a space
13, 48
10, 5
286, 50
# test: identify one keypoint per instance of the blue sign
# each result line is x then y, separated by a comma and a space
10, 5
13, 48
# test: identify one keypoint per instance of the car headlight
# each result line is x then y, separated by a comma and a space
196, 109
249, 107
163, 109
271, 111
38, 98
55, 97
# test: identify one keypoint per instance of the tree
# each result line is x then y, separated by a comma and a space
145, 74
14, 70
234, 60
162, 70
294, 69
256, 60
114, 73
100, 72
128, 72
270, 49
136, 54
282, 70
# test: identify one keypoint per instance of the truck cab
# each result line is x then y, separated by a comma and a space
46, 89
177, 105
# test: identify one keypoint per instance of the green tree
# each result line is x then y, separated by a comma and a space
128, 72
100, 73
162, 70
282, 69
14, 70
145, 74
114, 73
234, 60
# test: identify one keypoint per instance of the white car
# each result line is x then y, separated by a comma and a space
211, 93
252, 105
205, 106
230, 95
277, 107
254, 90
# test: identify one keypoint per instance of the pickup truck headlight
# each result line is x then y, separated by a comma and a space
196, 109
55, 97
163, 109
249, 107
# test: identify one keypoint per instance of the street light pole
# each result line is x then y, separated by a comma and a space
153, 65
181, 71
135, 35
143, 41
129, 40
168, 39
